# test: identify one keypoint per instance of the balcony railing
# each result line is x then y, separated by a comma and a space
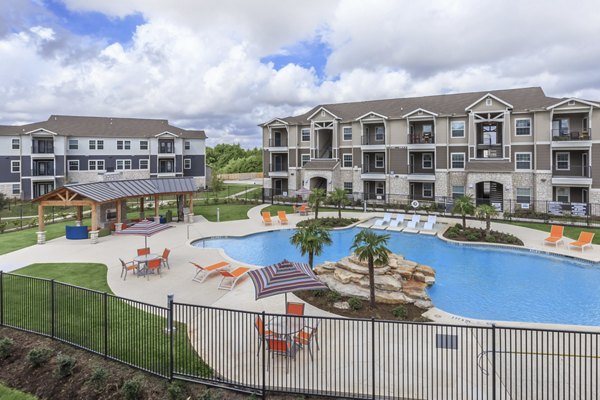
421, 138
278, 142
42, 147
575, 171
370, 141
368, 169
417, 169
43, 172
374, 196
559, 135
277, 168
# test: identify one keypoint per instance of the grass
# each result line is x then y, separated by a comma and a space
290, 209
136, 332
570, 231
7, 393
227, 212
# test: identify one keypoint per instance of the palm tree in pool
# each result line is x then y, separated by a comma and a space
372, 247
464, 206
311, 240
339, 198
316, 198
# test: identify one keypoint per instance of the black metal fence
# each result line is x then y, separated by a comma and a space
264, 353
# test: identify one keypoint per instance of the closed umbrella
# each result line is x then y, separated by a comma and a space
284, 277
144, 228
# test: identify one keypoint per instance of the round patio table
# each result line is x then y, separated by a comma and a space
144, 260
285, 325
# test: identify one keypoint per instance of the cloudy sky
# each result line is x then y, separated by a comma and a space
227, 65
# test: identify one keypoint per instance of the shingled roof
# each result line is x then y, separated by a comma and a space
69, 125
523, 99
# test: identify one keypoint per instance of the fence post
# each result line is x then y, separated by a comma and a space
52, 306
493, 361
170, 332
1, 298
21, 215
105, 298
373, 374
264, 360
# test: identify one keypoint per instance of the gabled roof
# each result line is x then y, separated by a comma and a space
488, 95
323, 109
369, 114
422, 110
589, 103
282, 122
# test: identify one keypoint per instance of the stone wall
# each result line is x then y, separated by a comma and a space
6, 190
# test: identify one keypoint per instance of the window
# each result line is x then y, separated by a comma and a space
458, 191
379, 160
348, 187
490, 134
16, 188
457, 128
457, 160
379, 133
523, 160
100, 144
523, 127
123, 145
563, 161
347, 133
73, 144
304, 158
560, 127
187, 145
563, 194
143, 145
187, 163
92, 145
96, 165
16, 144
379, 188
427, 161
488, 102
73, 165
144, 164
427, 189
523, 195
119, 145
305, 132
123, 164
15, 167
584, 124
347, 161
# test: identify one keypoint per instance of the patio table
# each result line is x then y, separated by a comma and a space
285, 325
144, 260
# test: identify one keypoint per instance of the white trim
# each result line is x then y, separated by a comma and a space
344, 160
568, 160
375, 134
572, 99
302, 140
147, 144
485, 97
422, 110
370, 114
282, 122
530, 161
96, 161
12, 166
464, 161
382, 160
123, 160
167, 133
423, 160
40, 130
302, 158
147, 165
322, 109
69, 165
464, 130
343, 134
423, 190
555, 197
76, 144
123, 144
187, 160
530, 126
523, 188
12, 143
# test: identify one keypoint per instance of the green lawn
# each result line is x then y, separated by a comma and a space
7, 393
290, 209
570, 231
227, 212
136, 332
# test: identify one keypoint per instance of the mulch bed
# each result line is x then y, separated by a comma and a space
479, 235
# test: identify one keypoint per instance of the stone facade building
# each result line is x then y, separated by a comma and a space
37, 158
515, 145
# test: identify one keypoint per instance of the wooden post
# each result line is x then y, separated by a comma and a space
41, 225
141, 205
79, 213
94, 217
155, 205
191, 203
119, 212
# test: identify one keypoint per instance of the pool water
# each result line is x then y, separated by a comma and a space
472, 281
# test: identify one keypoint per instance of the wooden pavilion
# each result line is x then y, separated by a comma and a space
114, 194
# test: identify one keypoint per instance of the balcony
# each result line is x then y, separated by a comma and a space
166, 147
278, 170
375, 196
43, 147
575, 175
565, 138
369, 143
489, 151
418, 174
278, 145
370, 173
421, 138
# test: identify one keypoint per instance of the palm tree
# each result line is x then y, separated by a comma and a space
464, 206
311, 240
339, 198
317, 196
487, 212
372, 247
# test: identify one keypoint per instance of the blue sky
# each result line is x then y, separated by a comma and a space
226, 66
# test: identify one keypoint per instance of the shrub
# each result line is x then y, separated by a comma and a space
64, 365
104, 232
7, 346
169, 216
32, 222
355, 303
319, 293
458, 226
38, 356
334, 296
400, 312
472, 236
206, 395
98, 377
451, 234
328, 222
2, 226
132, 388
176, 390
490, 239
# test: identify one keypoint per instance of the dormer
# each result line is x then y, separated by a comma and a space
322, 114
489, 103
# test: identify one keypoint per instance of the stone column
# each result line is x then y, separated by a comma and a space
94, 236
41, 237
118, 226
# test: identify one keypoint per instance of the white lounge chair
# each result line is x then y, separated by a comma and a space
399, 220
387, 217
414, 221
431, 221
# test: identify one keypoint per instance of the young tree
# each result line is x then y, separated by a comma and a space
311, 240
339, 198
464, 206
486, 212
372, 247
317, 197
216, 183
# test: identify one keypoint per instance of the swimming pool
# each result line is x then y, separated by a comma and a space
472, 281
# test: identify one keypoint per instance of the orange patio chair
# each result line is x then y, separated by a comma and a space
303, 210
283, 220
307, 336
127, 266
144, 251
259, 324
556, 235
204, 272
165, 258
266, 217
281, 347
294, 308
153, 265
585, 240
230, 278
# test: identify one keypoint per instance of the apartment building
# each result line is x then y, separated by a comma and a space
516, 144
39, 157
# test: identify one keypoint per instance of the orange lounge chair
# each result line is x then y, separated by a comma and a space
556, 235
303, 210
282, 217
230, 278
204, 272
585, 239
266, 216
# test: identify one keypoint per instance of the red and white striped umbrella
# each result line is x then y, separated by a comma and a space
144, 228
